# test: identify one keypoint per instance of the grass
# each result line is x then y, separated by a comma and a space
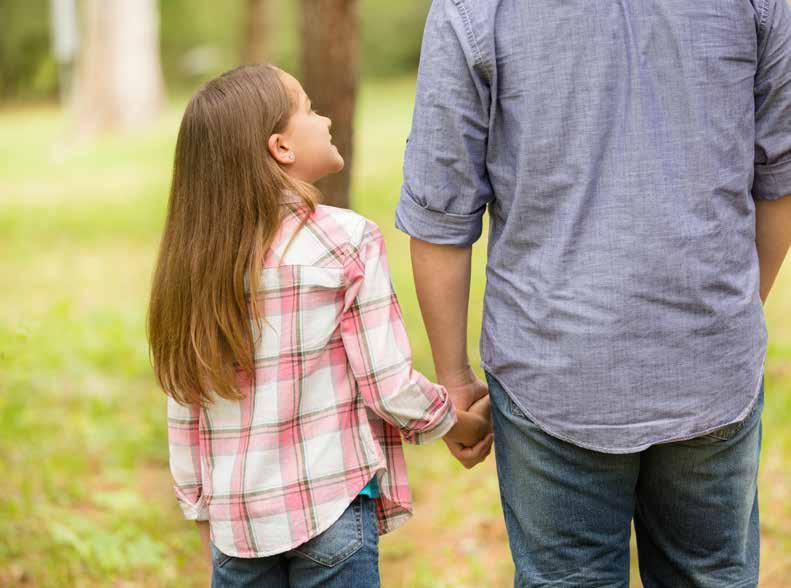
84, 488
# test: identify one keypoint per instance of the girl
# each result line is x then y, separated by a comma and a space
275, 332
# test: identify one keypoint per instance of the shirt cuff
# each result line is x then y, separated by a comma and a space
445, 421
440, 228
772, 182
193, 511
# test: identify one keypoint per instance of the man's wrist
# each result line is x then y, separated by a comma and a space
453, 377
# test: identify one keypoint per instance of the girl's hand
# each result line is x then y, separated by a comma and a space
465, 390
470, 428
469, 457
483, 408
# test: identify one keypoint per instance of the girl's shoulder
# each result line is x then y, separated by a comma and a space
346, 225
330, 236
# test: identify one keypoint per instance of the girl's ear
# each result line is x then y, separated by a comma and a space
279, 150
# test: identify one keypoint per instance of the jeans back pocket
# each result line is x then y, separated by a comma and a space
219, 559
340, 541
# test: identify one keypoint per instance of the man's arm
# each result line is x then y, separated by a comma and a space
772, 238
442, 282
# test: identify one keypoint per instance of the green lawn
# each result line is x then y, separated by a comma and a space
85, 493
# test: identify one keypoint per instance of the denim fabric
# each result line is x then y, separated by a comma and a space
619, 147
568, 509
345, 556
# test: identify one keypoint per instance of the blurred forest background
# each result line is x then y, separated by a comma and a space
91, 95
200, 38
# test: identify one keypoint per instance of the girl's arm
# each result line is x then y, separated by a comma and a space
378, 352
205, 538
185, 459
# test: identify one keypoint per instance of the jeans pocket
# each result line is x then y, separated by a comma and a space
729, 431
724, 433
503, 399
339, 542
514, 409
218, 558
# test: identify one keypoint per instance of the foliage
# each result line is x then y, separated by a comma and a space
201, 39
27, 68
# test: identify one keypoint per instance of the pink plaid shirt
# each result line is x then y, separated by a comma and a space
334, 392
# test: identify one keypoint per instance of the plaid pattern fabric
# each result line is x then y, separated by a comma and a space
333, 395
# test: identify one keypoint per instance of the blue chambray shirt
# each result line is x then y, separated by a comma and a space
619, 147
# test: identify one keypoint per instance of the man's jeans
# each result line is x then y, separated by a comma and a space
345, 555
568, 510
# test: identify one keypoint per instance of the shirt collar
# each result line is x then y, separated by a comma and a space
289, 197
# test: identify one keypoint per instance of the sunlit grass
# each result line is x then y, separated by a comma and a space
84, 486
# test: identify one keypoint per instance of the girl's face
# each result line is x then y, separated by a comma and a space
305, 148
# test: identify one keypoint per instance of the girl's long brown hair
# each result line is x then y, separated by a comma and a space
223, 212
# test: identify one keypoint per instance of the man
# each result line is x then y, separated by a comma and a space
633, 157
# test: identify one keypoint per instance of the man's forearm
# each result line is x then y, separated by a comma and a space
442, 282
772, 238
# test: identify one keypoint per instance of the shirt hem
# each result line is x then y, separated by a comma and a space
382, 465
633, 449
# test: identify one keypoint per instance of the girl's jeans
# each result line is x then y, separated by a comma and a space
344, 556
568, 510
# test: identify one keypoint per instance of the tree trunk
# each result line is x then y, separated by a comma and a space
119, 83
330, 72
256, 32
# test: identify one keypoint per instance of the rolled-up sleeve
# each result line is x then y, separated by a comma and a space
446, 187
772, 178
185, 459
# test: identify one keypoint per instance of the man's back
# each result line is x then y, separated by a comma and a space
619, 146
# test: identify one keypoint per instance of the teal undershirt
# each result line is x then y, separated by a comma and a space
371, 489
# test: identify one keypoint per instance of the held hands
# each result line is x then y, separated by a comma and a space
470, 440
473, 425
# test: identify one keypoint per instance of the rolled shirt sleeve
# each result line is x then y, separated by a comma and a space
378, 351
446, 187
185, 459
772, 178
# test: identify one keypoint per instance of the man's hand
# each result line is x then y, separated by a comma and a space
465, 389
442, 282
